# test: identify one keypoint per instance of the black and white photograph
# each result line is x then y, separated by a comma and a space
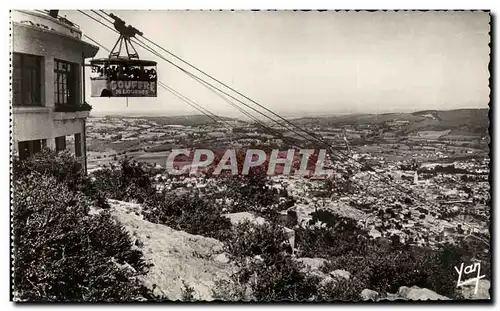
250, 156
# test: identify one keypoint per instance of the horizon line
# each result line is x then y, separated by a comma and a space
154, 113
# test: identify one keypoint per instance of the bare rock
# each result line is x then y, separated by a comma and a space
325, 280
258, 258
312, 263
172, 254
237, 218
483, 290
222, 258
368, 294
341, 274
392, 297
417, 293
375, 233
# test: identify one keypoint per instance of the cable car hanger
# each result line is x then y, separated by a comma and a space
127, 75
126, 32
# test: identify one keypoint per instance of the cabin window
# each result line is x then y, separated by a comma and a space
65, 83
26, 80
124, 72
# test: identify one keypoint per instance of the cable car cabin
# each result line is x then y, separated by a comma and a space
123, 77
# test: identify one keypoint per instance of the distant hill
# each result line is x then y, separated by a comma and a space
474, 122
460, 122
187, 120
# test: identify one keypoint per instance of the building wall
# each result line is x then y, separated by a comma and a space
33, 124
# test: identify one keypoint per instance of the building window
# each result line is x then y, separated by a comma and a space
60, 143
26, 80
30, 147
65, 83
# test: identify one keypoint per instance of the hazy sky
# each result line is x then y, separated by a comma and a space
316, 62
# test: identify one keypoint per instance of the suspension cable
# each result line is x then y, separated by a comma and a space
396, 187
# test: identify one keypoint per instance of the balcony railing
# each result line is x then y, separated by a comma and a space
72, 108
71, 112
41, 19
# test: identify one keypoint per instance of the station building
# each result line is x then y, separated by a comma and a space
47, 83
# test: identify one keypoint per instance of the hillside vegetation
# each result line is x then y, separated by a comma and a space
66, 251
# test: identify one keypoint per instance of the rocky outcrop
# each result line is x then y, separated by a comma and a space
176, 256
237, 218
368, 294
417, 293
404, 293
222, 258
483, 290
312, 263
341, 274
374, 233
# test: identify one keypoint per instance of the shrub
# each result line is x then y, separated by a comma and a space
187, 292
339, 236
64, 167
61, 165
128, 180
340, 290
274, 276
250, 240
251, 193
61, 253
189, 212
282, 280
229, 290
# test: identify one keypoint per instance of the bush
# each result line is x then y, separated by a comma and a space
338, 237
61, 165
282, 280
64, 167
387, 270
267, 272
188, 212
274, 276
188, 292
127, 181
250, 240
61, 253
251, 193
380, 266
341, 290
